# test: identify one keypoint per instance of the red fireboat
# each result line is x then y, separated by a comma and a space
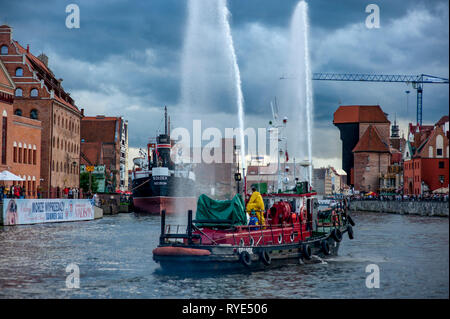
290, 236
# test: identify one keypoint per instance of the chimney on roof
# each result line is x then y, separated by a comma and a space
82, 112
28, 48
43, 58
6, 29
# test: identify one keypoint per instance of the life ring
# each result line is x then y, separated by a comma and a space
350, 231
306, 250
292, 237
325, 247
245, 258
350, 220
280, 239
336, 234
265, 257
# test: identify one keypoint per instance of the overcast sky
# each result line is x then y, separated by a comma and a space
125, 59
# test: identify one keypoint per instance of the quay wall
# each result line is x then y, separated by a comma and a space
422, 208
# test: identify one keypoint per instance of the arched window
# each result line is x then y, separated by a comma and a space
34, 114
4, 50
34, 93
18, 112
19, 72
18, 92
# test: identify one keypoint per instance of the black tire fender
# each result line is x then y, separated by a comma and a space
265, 257
325, 247
245, 258
306, 251
350, 220
350, 231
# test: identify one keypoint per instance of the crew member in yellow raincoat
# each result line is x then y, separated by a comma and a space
256, 203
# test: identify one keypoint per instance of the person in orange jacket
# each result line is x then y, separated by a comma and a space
256, 203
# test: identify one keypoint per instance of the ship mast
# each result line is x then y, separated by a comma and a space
165, 120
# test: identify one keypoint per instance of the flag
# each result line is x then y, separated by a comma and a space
287, 156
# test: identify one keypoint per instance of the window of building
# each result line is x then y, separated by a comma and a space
18, 92
25, 153
439, 152
441, 164
20, 153
19, 72
4, 50
34, 93
34, 114
30, 156
34, 157
15, 154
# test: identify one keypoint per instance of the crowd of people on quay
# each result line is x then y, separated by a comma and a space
15, 191
400, 197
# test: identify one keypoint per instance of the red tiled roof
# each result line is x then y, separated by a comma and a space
371, 142
442, 120
359, 114
34, 60
422, 128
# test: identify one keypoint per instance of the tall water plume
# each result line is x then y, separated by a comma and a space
210, 77
211, 81
297, 95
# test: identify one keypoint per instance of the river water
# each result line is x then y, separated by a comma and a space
114, 255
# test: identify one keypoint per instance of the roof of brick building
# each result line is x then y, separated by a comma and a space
359, 114
34, 61
371, 142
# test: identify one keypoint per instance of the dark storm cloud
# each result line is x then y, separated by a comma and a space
125, 58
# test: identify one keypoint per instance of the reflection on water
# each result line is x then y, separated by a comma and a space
115, 259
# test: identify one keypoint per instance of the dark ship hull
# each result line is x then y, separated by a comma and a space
153, 195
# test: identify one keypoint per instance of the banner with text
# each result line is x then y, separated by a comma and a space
33, 211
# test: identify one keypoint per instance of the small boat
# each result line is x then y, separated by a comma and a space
289, 236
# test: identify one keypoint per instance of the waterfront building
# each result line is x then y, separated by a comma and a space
104, 141
352, 122
20, 142
328, 181
39, 96
371, 158
426, 158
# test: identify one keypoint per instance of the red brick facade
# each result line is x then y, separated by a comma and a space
40, 96
20, 140
104, 142
428, 167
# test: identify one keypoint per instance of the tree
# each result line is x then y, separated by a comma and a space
84, 182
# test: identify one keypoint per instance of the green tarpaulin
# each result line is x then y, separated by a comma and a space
210, 209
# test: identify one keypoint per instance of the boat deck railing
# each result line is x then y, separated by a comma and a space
181, 233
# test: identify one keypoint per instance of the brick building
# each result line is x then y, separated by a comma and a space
104, 141
371, 158
21, 139
352, 122
426, 158
40, 96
